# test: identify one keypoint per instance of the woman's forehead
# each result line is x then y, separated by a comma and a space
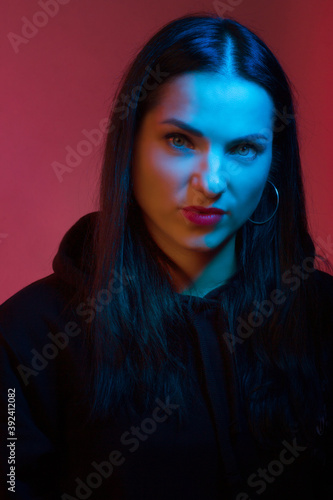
207, 101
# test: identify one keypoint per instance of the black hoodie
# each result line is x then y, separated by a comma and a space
48, 452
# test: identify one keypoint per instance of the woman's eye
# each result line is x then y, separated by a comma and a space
245, 150
177, 140
248, 151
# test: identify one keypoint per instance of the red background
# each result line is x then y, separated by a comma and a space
62, 80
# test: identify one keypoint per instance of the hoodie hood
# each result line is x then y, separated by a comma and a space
69, 263
74, 261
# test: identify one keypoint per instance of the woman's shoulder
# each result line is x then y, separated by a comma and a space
30, 314
324, 287
324, 278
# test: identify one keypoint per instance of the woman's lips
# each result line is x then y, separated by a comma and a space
203, 216
211, 210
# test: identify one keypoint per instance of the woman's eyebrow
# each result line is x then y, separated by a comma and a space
194, 131
184, 126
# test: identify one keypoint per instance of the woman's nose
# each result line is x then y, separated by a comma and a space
212, 175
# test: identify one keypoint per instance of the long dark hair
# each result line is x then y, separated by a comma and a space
136, 344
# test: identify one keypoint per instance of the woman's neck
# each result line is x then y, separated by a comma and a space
201, 272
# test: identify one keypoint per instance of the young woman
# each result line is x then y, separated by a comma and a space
182, 347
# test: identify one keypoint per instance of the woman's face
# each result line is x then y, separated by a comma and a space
208, 142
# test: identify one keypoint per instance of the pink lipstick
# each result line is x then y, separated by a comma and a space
203, 216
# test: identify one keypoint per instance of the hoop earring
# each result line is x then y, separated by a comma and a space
277, 204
